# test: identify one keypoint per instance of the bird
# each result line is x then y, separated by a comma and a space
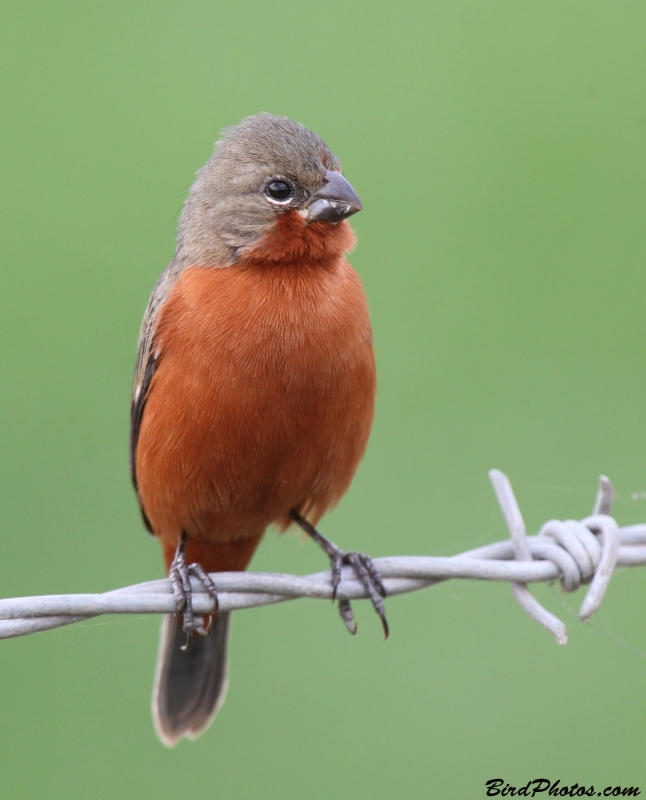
254, 389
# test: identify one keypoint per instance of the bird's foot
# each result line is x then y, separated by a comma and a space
180, 576
363, 567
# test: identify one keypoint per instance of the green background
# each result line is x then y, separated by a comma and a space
499, 150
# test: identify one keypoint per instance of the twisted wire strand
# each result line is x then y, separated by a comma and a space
572, 552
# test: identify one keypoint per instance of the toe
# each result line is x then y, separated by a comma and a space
347, 615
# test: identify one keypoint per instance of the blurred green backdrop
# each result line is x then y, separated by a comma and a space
499, 149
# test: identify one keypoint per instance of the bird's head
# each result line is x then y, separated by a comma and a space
273, 191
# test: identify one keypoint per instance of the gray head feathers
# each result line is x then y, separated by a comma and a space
229, 206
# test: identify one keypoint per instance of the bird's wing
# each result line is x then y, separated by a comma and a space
147, 359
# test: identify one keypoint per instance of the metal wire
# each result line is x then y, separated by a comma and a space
571, 552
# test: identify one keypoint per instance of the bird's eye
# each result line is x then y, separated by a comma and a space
280, 191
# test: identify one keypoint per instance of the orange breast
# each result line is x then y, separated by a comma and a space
262, 399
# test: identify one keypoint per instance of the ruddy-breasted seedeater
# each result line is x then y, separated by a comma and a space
254, 387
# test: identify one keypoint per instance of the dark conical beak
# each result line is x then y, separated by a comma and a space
334, 201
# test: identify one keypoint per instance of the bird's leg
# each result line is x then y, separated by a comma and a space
180, 576
363, 568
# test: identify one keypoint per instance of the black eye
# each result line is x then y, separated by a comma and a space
280, 191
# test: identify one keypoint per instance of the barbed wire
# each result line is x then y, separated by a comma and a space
572, 552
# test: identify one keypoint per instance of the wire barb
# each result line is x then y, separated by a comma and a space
571, 552
516, 525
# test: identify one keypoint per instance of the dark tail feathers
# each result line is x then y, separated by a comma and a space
190, 686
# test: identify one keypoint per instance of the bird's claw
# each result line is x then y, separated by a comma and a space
363, 567
180, 576
347, 615
367, 573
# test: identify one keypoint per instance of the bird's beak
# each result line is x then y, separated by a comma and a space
334, 201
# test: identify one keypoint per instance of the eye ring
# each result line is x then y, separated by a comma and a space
279, 191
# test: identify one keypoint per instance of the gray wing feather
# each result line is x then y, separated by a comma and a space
147, 358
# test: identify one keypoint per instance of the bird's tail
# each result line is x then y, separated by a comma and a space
190, 685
